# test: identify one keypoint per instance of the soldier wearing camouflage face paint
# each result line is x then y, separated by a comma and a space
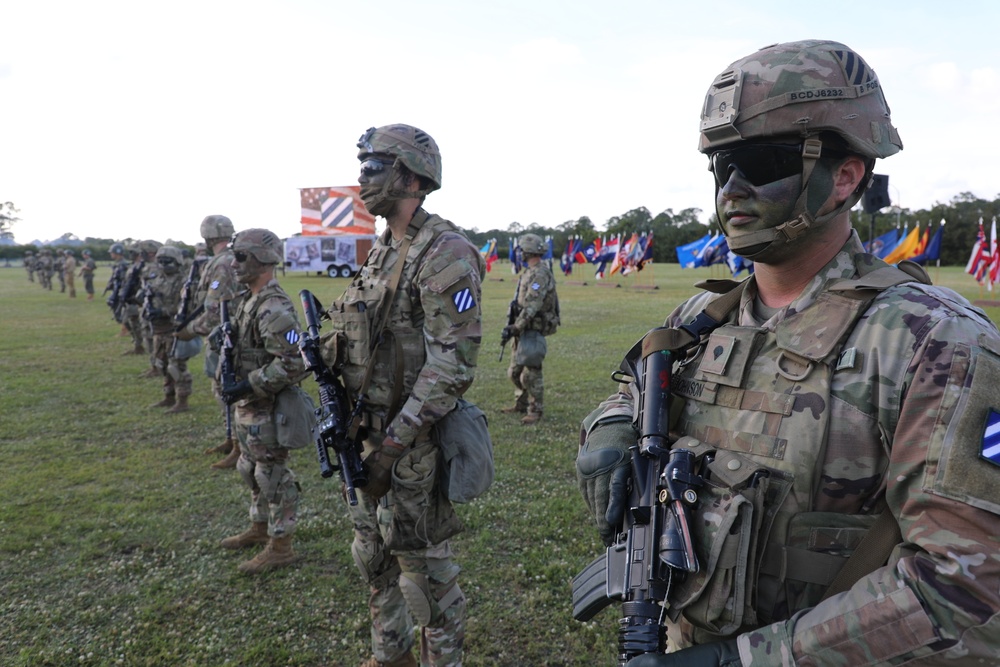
271, 413
837, 393
216, 283
537, 317
424, 360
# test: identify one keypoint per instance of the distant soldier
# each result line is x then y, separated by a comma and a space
69, 272
267, 402
119, 267
216, 284
163, 294
130, 298
148, 248
44, 268
537, 317
58, 264
87, 268
29, 265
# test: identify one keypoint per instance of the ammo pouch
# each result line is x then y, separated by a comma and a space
730, 526
531, 349
421, 514
294, 418
467, 448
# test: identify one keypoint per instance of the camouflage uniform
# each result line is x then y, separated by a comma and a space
44, 268
164, 295
267, 356
129, 304
87, 270
538, 313
434, 330
69, 269
58, 265
29, 265
870, 394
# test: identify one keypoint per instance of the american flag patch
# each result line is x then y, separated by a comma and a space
463, 300
292, 336
991, 438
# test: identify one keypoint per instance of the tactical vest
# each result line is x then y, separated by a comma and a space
399, 350
250, 353
756, 411
546, 320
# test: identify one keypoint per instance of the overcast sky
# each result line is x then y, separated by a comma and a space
137, 119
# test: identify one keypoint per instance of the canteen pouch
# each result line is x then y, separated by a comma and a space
421, 514
294, 418
185, 349
464, 437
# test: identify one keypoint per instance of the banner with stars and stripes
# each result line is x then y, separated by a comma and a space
335, 210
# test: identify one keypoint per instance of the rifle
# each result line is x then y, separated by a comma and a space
228, 370
334, 414
129, 289
654, 548
513, 310
114, 285
149, 313
181, 317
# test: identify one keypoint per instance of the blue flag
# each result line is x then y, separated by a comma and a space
932, 252
687, 254
884, 244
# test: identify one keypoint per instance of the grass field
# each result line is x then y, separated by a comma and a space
111, 518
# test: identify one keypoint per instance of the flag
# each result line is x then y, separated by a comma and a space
884, 244
708, 255
609, 251
905, 247
334, 210
489, 253
994, 271
687, 255
919, 250
981, 256
569, 257
647, 250
932, 252
620, 261
590, 253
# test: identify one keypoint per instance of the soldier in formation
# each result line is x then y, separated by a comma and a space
162, 296
827, 396
29, 265
87, 268
69, 271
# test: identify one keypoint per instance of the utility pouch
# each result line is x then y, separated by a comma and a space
728, 527
294, 418
531, 349
185, 349
422, 515
467, 448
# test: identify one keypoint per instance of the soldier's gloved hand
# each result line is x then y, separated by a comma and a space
234, 392
509, 332
185, 334
715, 654
603, 469
378, 465
215, 339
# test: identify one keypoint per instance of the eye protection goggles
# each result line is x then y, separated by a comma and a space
240, 256
372, 167
759, 164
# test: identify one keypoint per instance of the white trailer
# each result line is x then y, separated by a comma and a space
338, 256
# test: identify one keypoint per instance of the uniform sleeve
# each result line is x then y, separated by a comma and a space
218, 283
279, 331
938, 599
450, 285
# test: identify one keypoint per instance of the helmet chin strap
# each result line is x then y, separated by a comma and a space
381, 202
756, 243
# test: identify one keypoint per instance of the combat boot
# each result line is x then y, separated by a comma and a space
531, 418
278, 553
151, 372
229, 462
180, 406
514, 409
167, 402
224, 448
255, 534
405, 660
138, 349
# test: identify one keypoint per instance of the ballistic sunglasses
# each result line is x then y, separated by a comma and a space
373, 166
759, 164
240, 256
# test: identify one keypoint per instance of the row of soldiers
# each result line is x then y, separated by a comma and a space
62, 265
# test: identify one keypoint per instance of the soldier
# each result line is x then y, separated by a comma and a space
44, 268
87, 269
163, 294
217, 283
58, 267
119, 267
537, 317
268, 369
826, 394
130, 297
422, 282
29, 265
148, 248
69, 270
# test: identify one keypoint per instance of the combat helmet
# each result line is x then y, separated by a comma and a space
532, 244
408, 147
216, 227
116, 249
261, 243
808, 90
172, 252
148, 248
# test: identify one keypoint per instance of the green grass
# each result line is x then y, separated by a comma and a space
110, 517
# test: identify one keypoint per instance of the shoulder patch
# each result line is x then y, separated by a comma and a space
214, 285
463, 299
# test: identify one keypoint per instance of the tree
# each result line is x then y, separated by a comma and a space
8, 216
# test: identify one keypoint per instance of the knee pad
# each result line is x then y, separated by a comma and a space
426, 609
245, 468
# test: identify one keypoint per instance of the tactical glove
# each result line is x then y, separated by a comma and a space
715, 654
185, 334
603, 469
234, 392
378, 465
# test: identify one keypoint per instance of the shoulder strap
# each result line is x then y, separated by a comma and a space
871, 553
679, 338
